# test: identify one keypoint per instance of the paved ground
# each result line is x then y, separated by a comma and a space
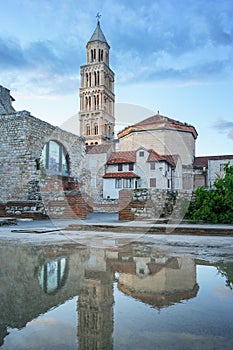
98, 231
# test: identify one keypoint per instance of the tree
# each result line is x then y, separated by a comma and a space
215, 205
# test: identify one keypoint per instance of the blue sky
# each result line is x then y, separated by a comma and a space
175, 56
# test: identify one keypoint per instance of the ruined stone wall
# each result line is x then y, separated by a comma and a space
22, 139
142, 204
5, 101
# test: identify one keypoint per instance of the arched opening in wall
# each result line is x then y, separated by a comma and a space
55, 159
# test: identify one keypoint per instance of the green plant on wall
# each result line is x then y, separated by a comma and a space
215, 205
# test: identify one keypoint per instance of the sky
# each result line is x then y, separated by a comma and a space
171, 56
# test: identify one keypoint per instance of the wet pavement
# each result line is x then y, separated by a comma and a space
104, 230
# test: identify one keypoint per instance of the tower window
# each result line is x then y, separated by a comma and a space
87, 79
88, 131
101, 55
96, 129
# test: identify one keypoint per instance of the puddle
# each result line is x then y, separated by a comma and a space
129, 297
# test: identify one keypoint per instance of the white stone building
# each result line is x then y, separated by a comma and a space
209, 168
140, 169
167, 137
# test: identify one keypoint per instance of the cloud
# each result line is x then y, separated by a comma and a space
155, 41
11, 54
41, 66
224, 126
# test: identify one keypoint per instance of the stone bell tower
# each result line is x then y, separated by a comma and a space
97, 97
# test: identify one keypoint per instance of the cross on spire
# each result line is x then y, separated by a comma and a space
98, 16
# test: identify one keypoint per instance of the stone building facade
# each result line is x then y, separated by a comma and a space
22, 140
209, 168
35, 157
166, 136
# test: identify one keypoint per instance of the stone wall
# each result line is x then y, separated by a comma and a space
142, 204
55, 197
105, 206
5, 101
22, 140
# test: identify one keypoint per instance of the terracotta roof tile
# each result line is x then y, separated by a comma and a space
169, 158
154, 156
121, 175
122, 157
158, 122
203, 160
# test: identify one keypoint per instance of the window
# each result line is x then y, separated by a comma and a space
131, 166
168, 183
222, 166
52, 275
54, 159
96, 129
152, 166
152, 182
88, 130
128, 183
120, 167
118, 183
141, 154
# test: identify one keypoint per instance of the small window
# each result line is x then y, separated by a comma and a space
118, 183
222, 166
168, 183
152, 182
96, 129
120, 167
141, 154
131, 166
152, 166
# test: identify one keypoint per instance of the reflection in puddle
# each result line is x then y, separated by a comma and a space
133, 297
52, 275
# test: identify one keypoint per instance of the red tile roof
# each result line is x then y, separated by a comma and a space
121, 175
122, 157
172, 159
169, 158
154, 156
158, 122
203, 160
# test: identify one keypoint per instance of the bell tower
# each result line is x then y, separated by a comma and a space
97, 97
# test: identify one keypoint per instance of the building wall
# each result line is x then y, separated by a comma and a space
163, 141
22, 140
216, 169
146, 203
92, 170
